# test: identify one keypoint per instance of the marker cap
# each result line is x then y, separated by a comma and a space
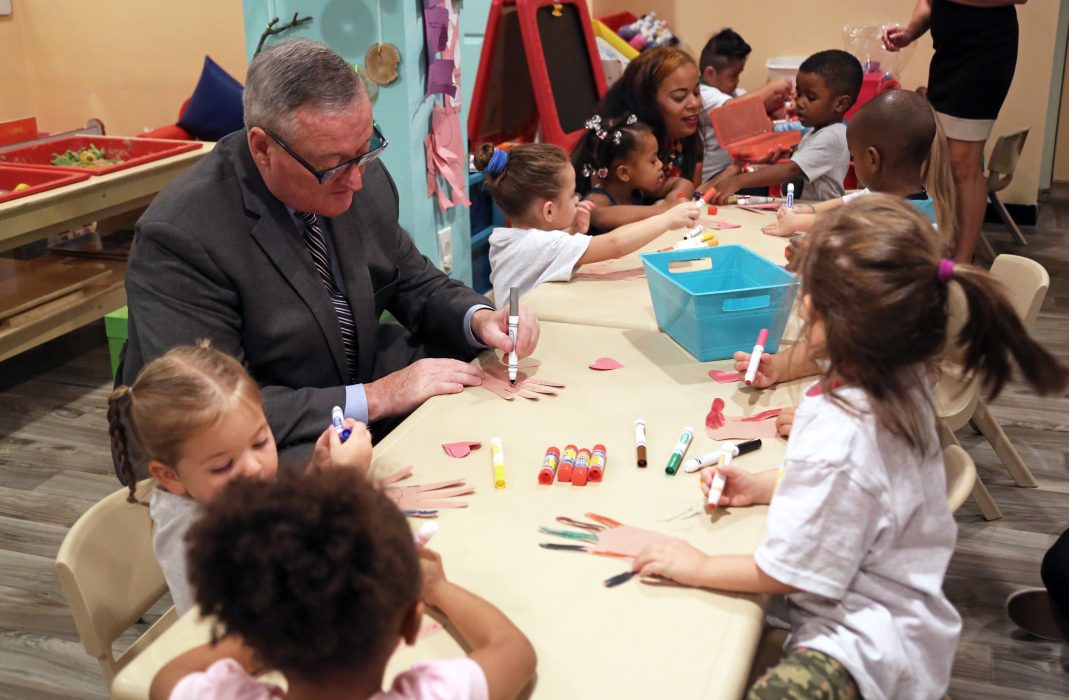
747, 446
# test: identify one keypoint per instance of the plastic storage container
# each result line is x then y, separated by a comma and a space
783, 67
743, 127
39, 180
131, 151
716, 311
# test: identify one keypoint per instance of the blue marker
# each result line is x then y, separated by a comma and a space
337, 417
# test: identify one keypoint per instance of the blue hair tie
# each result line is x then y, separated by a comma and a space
497, 163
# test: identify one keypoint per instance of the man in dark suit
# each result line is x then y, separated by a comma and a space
283, 248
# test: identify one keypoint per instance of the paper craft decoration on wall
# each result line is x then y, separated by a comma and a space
721, 427
424, 500
444, 146
605, 537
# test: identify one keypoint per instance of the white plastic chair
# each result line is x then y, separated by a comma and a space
1000, 169
109, 574
958, 403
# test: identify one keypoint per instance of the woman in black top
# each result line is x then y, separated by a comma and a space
975, 45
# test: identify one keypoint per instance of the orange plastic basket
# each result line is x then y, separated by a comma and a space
743, 127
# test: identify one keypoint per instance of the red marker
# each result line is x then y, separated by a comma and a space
549, 466
567, 461
755, 356
598, 460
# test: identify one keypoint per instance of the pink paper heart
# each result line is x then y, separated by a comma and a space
460, 450
724, 224
724, 377
605, 363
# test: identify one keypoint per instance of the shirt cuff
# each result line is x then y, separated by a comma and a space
356, 403
473, 342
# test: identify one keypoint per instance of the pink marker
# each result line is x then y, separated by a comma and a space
755, 356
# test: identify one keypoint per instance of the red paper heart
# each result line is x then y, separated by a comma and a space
605, 363
724, 377
460, 449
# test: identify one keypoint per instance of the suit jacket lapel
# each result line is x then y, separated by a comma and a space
350, 230
277, 236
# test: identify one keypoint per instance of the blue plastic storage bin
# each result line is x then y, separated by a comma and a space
716, 311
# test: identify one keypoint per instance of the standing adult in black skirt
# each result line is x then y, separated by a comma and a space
975, 56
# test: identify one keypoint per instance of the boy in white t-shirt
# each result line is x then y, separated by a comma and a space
534, 184
722, 61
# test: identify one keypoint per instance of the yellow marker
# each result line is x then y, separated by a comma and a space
497, 451
708, 236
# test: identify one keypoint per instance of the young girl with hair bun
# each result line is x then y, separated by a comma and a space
198, 418
619, 170
546, 240
859, 530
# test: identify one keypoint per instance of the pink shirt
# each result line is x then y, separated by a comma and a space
428, 680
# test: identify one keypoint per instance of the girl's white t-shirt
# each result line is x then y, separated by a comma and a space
526, 257
172, 516
860, 524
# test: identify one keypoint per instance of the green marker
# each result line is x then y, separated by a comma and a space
681, 449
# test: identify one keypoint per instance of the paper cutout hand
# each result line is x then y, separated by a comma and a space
605, 537
423, 500
721, 427
496, 381
599, 272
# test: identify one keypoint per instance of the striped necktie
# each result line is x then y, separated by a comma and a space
313, 238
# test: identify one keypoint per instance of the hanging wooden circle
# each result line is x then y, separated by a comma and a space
381, 61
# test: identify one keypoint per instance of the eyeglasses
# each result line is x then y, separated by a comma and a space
378, 145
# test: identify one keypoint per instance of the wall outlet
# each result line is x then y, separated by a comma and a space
445, 248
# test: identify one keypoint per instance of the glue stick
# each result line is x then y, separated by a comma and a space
567, 462
598, 460
582, 464
549, 466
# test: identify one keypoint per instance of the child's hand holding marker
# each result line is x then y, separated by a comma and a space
681, 215
354, 453
767, 373
740, 486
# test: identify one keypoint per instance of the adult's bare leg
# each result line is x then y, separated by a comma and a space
965, 163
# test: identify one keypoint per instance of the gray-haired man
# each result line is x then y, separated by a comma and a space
283, 248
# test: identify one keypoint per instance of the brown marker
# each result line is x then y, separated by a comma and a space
640, 441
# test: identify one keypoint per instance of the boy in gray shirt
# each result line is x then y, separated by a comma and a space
827, 85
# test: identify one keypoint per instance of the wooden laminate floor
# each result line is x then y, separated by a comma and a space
54, 464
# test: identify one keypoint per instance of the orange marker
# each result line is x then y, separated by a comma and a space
582, 462
549, 466
708, 195
598, 460
567, 461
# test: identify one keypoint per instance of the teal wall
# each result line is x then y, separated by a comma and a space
403, 114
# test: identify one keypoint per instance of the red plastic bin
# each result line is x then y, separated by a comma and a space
131, 151
743, 127
39, 180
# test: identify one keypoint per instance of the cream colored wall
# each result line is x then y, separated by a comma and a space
1061, 144
128, 63
15, 98
772, 30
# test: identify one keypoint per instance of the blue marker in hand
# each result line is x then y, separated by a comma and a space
338, 418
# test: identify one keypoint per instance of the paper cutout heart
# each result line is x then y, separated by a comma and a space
723, 377
459, 450
605, 363
722, 224
721, 427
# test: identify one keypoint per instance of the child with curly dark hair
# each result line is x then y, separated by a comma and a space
618, 170
319, 577
197, 416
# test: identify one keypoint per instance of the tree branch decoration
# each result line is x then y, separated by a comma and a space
272, 29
